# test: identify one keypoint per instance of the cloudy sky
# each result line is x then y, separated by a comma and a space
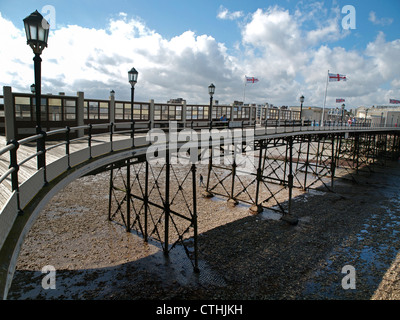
179, 47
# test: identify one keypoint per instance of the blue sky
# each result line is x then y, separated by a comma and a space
180, 46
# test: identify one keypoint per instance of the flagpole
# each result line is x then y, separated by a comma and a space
323, 108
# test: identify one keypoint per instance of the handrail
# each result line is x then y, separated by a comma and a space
296, 126
30, 139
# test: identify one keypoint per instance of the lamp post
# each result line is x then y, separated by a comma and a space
343, 105
37, 33
211, 91
301, 108
132, 76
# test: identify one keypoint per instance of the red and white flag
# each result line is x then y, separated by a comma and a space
394, 101
251, 79
340, 100
336, 77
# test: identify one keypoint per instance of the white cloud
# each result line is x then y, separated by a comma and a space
382, 21
99, 59
289, 52
225, 14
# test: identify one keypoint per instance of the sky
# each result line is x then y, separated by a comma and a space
180, 47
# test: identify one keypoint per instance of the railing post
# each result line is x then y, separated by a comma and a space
112, 108
266, 126
41, 146
111, 135
9, 114
151, 113
14, 174
133, 133
80, 113
67, 140
90, 140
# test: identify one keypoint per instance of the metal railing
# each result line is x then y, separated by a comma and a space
130, 130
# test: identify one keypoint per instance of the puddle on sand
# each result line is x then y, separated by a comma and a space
270, 215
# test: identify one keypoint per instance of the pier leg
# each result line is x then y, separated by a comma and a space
128, 196
257, 208
146, 202
166, 204
307, 164
289, 217
194, 219
232, 201
207, 193
333, 164
111, 186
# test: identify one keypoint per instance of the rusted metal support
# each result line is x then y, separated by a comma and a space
307, 163
256, 207
333, 162
146, 202
128, 195
166, 202
232, 201
207, 193
110, 190
194, 220
289, 217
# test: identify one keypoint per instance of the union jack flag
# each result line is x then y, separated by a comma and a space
394, 101
340, 100
251, 79
336, 77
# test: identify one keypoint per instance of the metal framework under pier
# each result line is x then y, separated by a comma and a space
302, 161
150, 197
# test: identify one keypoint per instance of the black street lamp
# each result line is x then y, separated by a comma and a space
132, 76
37, 33
301, 107
211, 91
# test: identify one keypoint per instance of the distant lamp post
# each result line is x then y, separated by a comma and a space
37, 33
132, 76
211, 91
33, 88
343, 105
112, 94
301, 107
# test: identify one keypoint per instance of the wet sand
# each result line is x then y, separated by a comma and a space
242, 256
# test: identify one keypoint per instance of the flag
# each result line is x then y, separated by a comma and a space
340, 100
336, 77
251, 79
394, 101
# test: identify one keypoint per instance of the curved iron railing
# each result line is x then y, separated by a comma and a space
128, 129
